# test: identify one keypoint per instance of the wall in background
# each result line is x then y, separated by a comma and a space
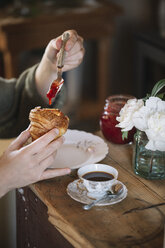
139, 15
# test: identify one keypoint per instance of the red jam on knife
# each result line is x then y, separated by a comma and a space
54, 90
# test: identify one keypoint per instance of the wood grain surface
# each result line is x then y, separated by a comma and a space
137, 221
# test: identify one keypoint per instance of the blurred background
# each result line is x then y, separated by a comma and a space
125, 53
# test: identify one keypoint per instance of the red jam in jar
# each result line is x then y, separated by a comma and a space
108, 122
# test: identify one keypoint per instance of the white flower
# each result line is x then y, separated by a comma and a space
156, 132
149, 118
140, 118
152, 105
155, 104
125, 118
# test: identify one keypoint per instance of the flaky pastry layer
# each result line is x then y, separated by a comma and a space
43, 120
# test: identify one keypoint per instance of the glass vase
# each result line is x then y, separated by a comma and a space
146, 163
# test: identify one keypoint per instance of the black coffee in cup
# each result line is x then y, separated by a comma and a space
98, 176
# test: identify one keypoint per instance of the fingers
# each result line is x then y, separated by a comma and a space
76, 48
43, 141
50, 173
74, 56
71, 66
20, 140
77, 51
73, 39
74, 59
49, 150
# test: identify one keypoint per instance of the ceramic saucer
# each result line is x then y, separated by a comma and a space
77, 192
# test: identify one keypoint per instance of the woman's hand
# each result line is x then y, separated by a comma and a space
46, 72
21, 166
74, 51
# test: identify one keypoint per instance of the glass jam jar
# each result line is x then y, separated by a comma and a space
108, 122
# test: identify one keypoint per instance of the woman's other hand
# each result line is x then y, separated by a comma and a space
23, 165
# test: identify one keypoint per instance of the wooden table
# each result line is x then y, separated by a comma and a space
93, 22
48, 217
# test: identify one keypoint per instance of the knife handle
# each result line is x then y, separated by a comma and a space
61, 54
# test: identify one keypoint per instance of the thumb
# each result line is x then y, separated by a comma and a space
53, 48
20, 140
58, 43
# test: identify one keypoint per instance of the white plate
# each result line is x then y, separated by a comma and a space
80, 148
78, 193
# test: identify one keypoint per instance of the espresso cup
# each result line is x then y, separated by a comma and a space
97, 178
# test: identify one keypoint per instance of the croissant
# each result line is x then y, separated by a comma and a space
43, 120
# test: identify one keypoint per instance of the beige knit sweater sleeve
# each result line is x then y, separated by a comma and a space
17, 98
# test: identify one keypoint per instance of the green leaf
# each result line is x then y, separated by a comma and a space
158, 86
124, 135
147, 96
161, 95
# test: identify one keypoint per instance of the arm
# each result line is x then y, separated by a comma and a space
19, 96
